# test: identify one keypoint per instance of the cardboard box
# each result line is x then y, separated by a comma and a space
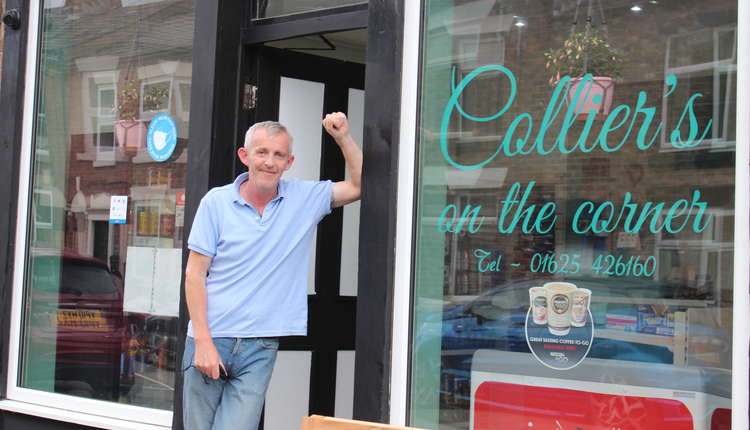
317, 422
655, 320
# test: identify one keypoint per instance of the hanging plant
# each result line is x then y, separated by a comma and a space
128, 100
582, 53
129, 131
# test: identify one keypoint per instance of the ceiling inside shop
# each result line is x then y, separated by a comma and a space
347, 45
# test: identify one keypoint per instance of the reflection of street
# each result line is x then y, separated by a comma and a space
153, 386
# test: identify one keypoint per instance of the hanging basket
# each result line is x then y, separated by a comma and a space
131, 135
596, 95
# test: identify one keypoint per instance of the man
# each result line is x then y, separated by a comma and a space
246, 277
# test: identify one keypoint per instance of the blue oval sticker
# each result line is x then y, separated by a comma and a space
162, 137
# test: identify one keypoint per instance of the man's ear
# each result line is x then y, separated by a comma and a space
243, 155
289, 162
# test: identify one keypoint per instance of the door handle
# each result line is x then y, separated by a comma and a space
12, 19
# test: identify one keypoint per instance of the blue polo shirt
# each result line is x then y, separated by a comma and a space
257, 280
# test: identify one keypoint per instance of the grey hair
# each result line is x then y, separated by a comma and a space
272, 128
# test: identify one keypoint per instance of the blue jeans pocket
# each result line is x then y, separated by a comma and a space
270, 343
188, 355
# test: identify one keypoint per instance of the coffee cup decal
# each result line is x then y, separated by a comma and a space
562, 310
580, 307
559, 300
559, 305
538, 301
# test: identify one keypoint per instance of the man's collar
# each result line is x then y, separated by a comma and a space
281, 190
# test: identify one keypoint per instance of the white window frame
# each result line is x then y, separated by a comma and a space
177, 88
90, 412
49, 196
95, 117
401, 324
716, 139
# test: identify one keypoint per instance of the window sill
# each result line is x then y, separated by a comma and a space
74, 417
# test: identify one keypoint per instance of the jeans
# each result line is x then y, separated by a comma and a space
235, 402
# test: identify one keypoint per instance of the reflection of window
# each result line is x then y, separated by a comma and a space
147, 220
704, 62
156, 96
105, 96
183, 99
42, 144
101, 114
105, 140
43, 208
699, 260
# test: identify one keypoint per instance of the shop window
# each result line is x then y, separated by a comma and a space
99, 299
573, 246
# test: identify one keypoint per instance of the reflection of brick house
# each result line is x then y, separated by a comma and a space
151, 189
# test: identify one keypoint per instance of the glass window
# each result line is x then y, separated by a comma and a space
273, 8
575, 210
101, 294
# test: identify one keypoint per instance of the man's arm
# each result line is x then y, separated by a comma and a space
348, 191
207, 358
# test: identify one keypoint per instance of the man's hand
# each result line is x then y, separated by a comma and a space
347, 191
207, 359
336, 125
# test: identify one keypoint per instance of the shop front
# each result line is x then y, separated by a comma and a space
118, 117
553, 232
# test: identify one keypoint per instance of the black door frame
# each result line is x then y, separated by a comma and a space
11, 123
221, 30
328, 311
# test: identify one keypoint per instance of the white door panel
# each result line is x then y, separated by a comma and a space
301, 111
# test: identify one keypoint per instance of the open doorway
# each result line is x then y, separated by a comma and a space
297, 81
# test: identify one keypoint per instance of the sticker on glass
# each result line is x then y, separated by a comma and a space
162, 137
559, 326
118, 209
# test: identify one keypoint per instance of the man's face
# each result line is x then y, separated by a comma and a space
267, 159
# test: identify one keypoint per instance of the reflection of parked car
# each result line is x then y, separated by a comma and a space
496, 319
77, 326
157, 336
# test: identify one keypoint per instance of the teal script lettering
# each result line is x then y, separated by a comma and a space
512, 209
606, 217
516, 138
489, 266
450, 223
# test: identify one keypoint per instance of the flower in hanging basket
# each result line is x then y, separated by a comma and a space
128, 100
129, 131
583, 53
